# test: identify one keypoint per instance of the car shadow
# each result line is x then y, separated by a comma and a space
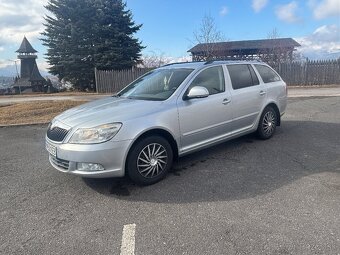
238, 169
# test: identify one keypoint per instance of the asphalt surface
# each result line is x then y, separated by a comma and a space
246, 196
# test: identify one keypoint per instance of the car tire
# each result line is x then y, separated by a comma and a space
267, 123
149, 160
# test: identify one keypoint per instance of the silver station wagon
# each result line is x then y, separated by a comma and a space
167, 113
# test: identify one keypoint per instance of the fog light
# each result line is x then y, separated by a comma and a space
89, 167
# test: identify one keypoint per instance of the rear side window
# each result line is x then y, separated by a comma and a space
267, 74
242, 76
211, 78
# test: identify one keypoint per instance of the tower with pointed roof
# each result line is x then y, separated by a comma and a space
30, 77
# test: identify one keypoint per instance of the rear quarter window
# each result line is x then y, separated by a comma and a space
267, 74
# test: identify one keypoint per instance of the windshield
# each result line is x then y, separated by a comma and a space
158, 85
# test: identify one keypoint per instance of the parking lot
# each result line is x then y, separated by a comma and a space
246, 196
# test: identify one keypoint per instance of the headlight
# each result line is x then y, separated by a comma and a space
97, 134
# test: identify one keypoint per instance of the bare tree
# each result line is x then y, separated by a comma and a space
279, 53
275, 52
208, 35
299, 56
272, 54
154, 60
273, 34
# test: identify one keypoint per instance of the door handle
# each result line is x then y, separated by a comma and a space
226, 101
262, 92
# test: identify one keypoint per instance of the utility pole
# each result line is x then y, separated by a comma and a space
16, 68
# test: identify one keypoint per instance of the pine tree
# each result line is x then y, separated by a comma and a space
83, 34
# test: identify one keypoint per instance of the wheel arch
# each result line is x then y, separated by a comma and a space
160, 132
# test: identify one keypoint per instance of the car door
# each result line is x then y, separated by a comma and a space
248, 96
205, 120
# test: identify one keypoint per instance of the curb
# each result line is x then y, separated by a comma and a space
313, 86
314, 96
24, 124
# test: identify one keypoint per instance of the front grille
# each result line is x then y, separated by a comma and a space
56, 134
64, 164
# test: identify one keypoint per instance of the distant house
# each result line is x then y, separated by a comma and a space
268, 50
30, 77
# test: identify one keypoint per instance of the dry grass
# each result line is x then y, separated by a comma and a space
34, 112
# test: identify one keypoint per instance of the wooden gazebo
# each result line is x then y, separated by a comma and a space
268, 50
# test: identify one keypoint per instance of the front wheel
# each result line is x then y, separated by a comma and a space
267, 123
149, 160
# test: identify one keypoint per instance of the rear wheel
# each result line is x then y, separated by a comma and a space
267, 123
149, 160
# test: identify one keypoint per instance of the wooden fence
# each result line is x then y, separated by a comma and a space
320, 72
114, 80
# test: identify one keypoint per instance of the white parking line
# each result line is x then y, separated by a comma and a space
128, 240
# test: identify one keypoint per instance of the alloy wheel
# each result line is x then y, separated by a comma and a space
268, 123
152, 160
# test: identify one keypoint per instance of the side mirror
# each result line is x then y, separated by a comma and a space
197, 92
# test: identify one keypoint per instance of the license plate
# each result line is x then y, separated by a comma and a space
51, 149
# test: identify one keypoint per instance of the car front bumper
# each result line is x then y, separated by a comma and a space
111, 155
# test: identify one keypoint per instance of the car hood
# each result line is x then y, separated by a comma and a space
108, 110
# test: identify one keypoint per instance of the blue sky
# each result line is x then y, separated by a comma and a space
168, 26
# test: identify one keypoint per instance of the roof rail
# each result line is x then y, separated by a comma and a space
209, 62
168, 64
177, 63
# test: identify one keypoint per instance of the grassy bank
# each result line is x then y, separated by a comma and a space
34, 112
